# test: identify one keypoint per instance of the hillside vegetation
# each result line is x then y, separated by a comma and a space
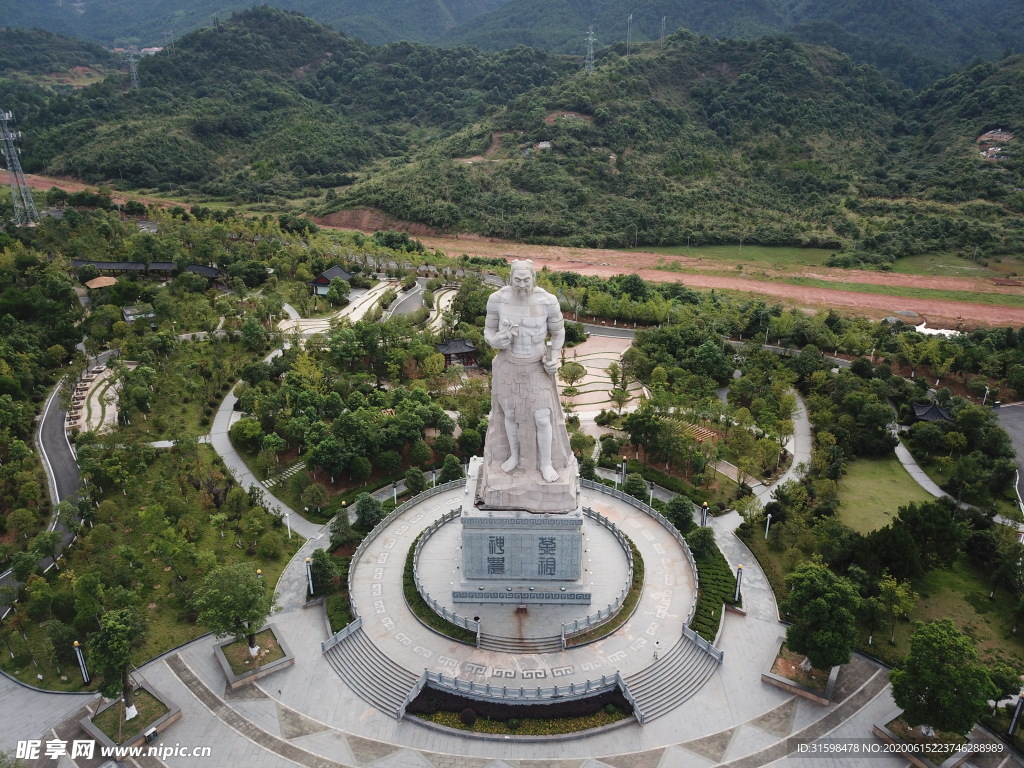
914, 42
765, 142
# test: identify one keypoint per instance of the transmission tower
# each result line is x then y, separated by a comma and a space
588, 63
133, 70
629, 33
663, 31
24, 207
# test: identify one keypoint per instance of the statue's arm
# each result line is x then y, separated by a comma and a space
496, 338
556, 326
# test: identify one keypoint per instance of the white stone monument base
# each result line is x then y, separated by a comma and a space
526, 489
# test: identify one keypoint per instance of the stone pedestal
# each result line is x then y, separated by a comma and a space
512, 547
525, 489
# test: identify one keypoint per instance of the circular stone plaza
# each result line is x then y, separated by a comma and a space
342, 702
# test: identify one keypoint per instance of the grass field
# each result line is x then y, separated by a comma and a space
753, 255
873, 489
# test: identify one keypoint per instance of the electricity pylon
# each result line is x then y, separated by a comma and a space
24, 206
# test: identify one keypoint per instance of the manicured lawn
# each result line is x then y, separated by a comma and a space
873, 489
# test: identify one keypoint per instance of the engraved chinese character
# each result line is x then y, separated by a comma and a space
546, 545
496, 545
546, 566
495, 565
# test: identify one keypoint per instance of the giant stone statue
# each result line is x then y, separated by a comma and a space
527, 461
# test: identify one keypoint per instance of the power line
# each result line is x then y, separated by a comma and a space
24, 206
588, 63
133, 69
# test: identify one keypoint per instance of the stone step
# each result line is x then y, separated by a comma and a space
550, 644
370, 673
672, 679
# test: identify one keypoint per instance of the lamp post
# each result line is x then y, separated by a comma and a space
81, 663
739, 583
767, 524
394, 491
650, 500
288, 522
623, 480
433, 473
703, 514
309, 575
259, 573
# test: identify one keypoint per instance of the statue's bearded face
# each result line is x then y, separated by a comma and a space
522, 282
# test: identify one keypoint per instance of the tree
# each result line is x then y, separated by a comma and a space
315, 495
254, 335
342, 534
941, 683
360, 469
823, 609
897, 599
122, 632
679, 512
701, 542
635, 486
619, 397
46, 544
324, 569
233, 600
451, 470
369, 511
419, 453
571, 372
581, 443
415, 481
338, 291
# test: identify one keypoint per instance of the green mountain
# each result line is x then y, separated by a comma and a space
157, 22
768, 141
914, 41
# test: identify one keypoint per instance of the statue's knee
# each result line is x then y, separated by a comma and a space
543, 417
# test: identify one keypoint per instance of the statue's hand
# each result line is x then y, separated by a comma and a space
551, 366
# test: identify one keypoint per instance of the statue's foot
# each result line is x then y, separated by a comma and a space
509, 464
549, 473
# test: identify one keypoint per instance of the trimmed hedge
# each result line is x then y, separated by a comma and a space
431, 700
424, 612
717, 586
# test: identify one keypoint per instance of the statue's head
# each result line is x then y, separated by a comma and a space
523, 277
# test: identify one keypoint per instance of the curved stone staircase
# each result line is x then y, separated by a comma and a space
672, 679
369, 672
522, 645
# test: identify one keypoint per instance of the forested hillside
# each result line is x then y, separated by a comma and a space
157, 22
914, 41
764, 142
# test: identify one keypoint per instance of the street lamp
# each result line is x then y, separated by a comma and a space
309, 575
394, 490
650, 500
767, 524
623, 470
739, 583
704, 514
433, 472
288, 522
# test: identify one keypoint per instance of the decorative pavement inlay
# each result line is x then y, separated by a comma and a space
712, 747
368, 751
778, 721
294, 724
649, 759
